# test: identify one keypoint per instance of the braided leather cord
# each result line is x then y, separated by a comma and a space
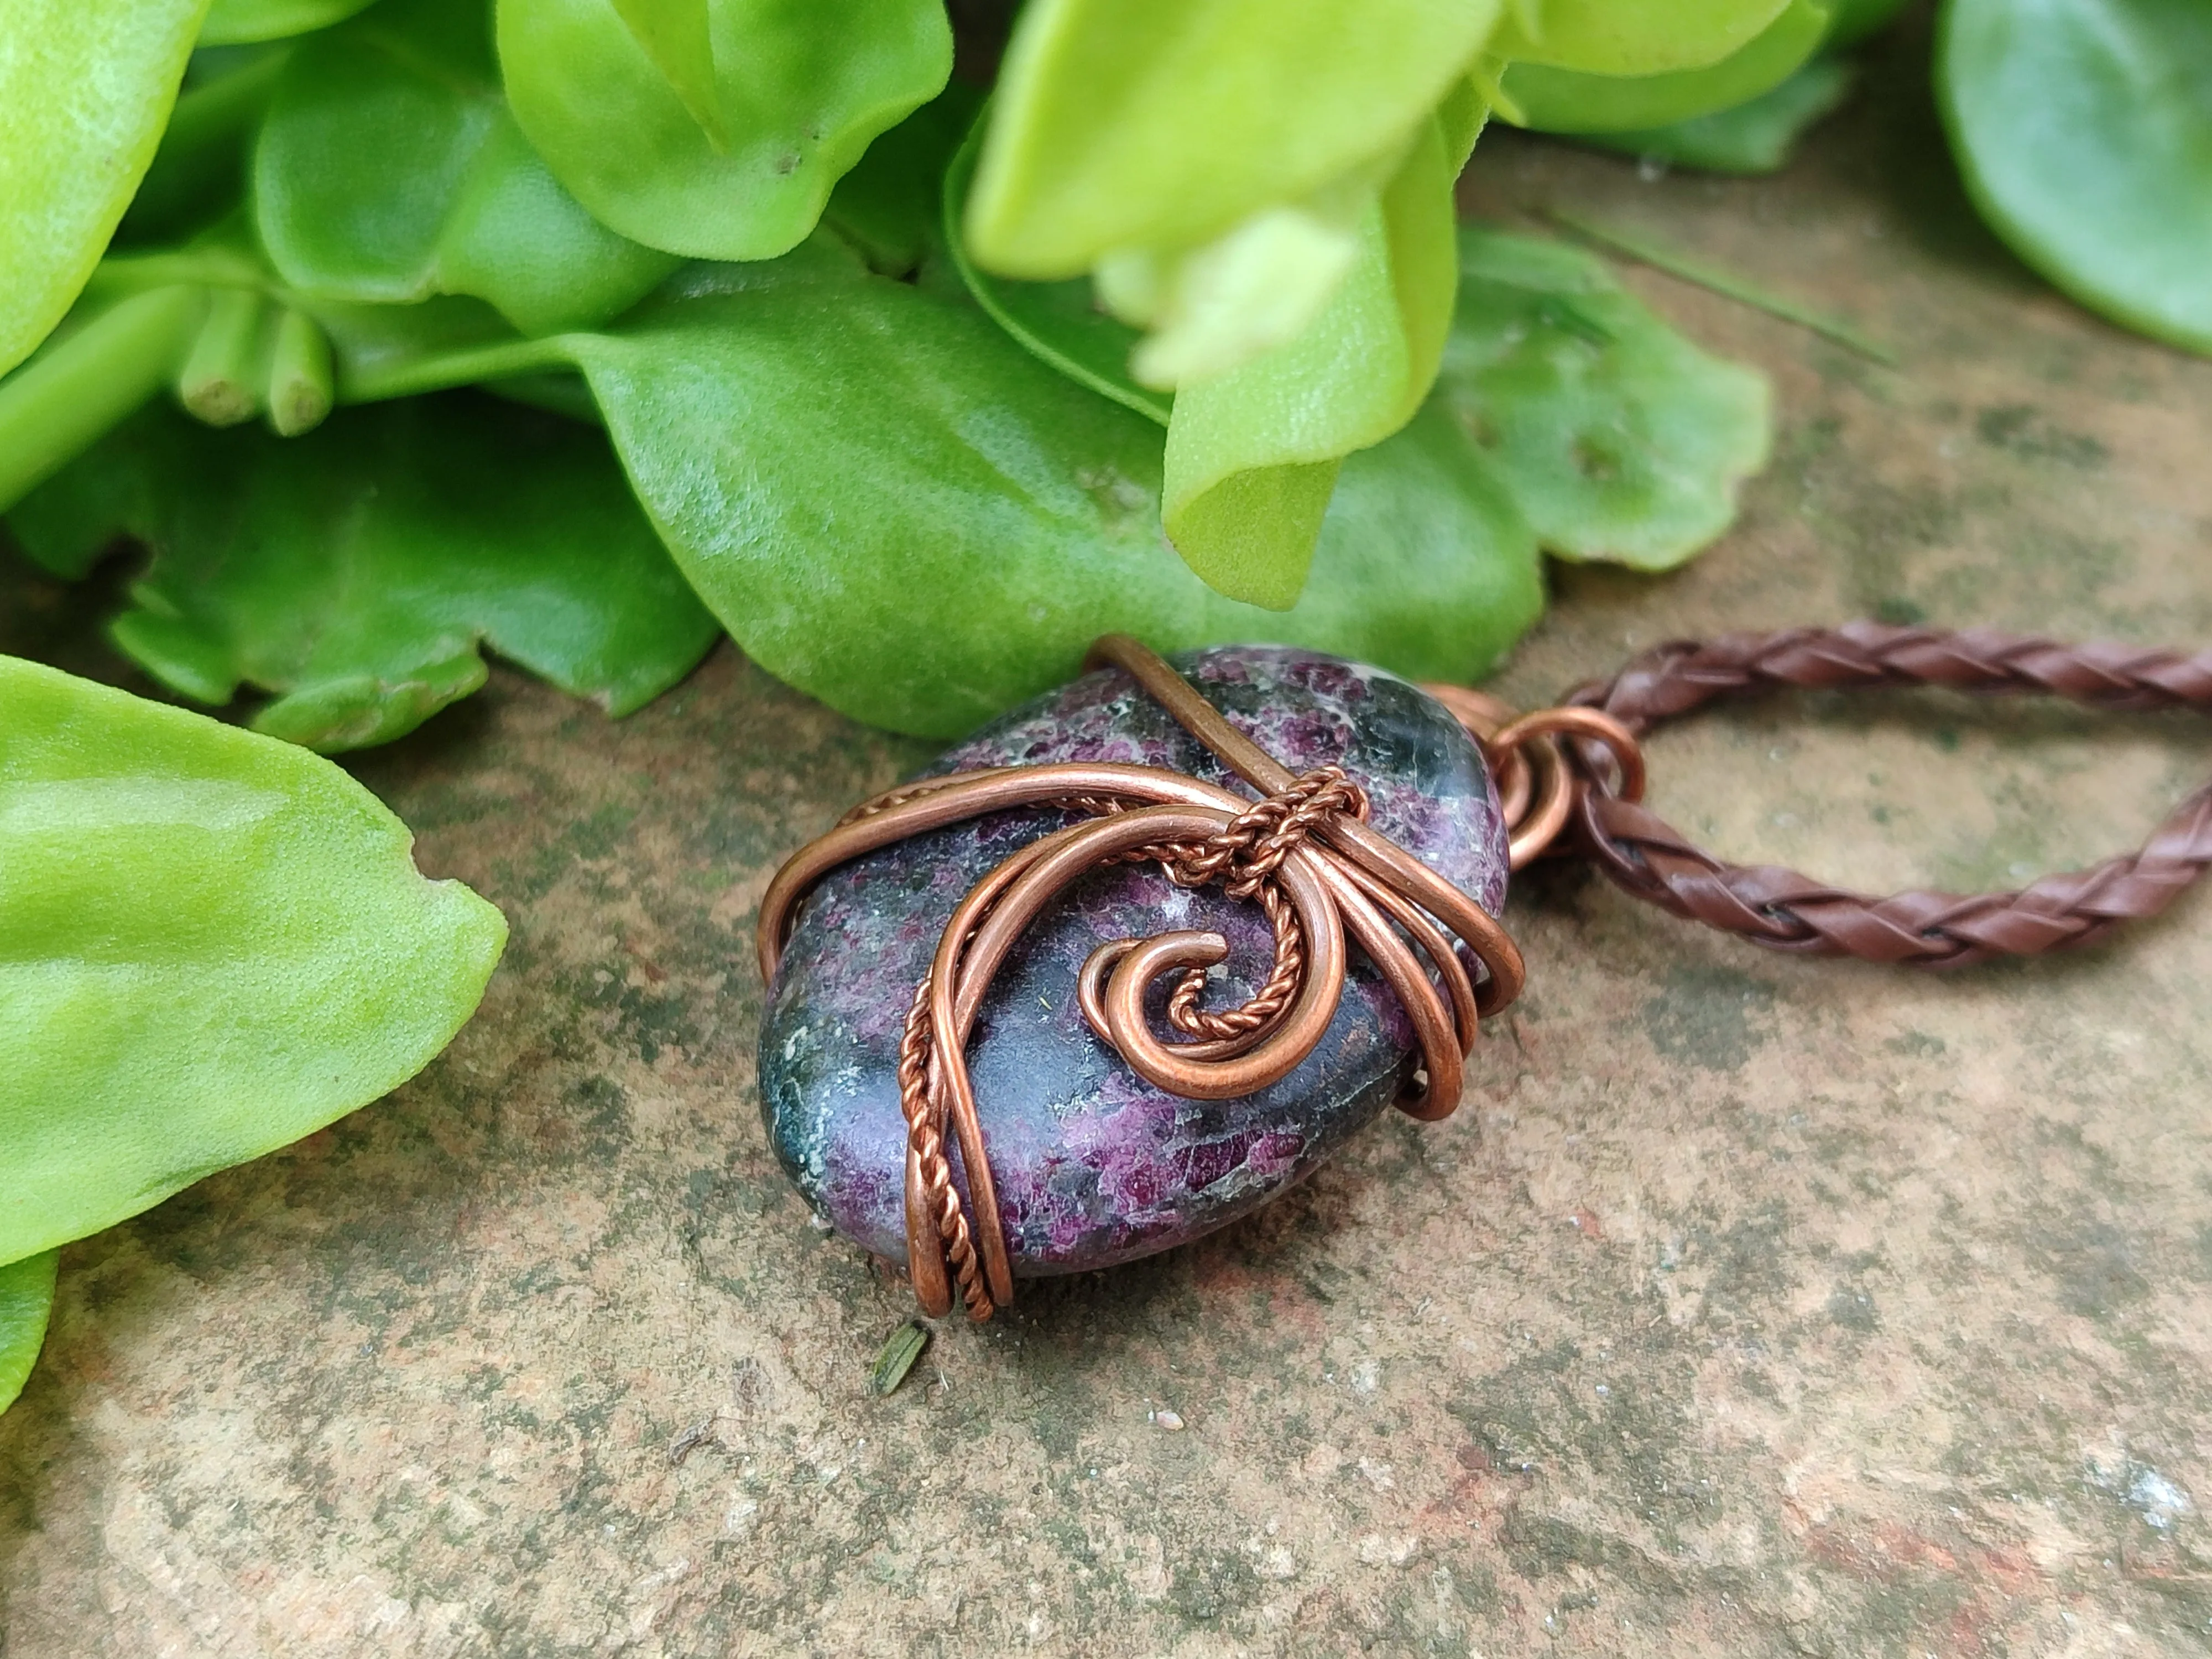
1786, 911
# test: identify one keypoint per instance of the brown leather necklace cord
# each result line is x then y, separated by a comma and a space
1785, 911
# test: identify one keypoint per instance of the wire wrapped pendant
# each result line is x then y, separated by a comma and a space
1015, 960
1370, 879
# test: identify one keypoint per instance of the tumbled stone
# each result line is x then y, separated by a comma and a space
1094, 1165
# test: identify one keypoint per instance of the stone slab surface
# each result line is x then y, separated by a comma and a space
1751, 1307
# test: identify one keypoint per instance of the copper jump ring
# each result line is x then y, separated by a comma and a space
1537, 789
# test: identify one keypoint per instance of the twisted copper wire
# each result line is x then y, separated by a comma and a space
1304, 852
1243, 858
928, 1166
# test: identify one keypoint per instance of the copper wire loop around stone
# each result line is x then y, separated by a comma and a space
1303, 852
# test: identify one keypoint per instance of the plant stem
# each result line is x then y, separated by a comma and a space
404, 377
120, 274
300, 388
69, 397
222, 378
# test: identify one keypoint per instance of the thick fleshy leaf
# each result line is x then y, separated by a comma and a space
891, 205
1460, 118
797, 93
1629, 37
1252, 454
1426, 565
873, 425
1162, 125
865, 480
2084, 130
1567, 100
678, 35
356, 571
1617, 438
1215, 308
1218, 305
85, 89
230, 22
1753, 138
1060, 323
211, 944
389, 169
27, 1296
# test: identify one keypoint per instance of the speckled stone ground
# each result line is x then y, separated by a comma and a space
1751, 1307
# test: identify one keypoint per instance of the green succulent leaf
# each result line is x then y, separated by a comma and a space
85, 87
231, 22
963, 483
1616, 438
1252, 455
27, 1296
389, 169
678, 35
1569, 101
2084, 130
1162, 125
357, 572
901, 1349
211, 945
1061, 323
891, 206
728, 155
1753, 137
1425, 564
1216, 306
865, 480
1629, 37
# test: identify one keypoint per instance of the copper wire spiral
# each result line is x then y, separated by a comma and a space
1304, 852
